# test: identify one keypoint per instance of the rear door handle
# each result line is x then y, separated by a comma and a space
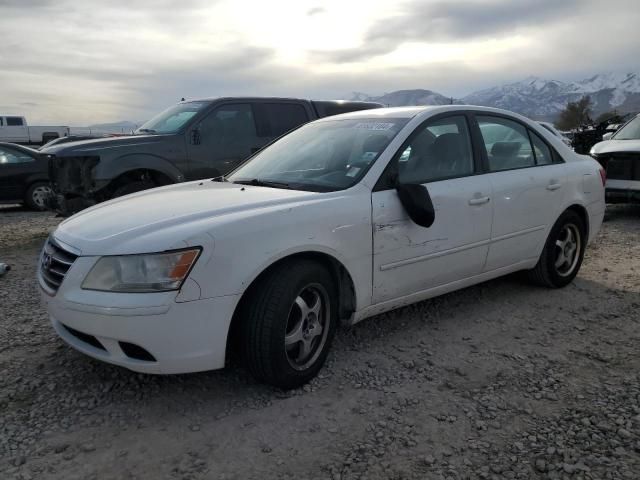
554, 186
479, 200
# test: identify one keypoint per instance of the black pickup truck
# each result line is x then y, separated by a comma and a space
189, 141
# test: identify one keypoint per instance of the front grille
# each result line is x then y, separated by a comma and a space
72, 175
54, 264
622, 166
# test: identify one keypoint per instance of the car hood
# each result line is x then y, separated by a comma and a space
90, 147
167, 217
613, 146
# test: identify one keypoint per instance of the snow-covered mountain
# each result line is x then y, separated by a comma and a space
538, 97
403, 98
535, 97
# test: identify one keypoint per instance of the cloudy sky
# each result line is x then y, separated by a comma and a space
79, 62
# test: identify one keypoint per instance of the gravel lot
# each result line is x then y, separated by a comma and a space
498, 381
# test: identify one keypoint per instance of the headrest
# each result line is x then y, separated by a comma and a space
374, 143
505, 149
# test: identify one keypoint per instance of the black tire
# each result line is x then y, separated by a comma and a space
546, 272
271, 313
35, 196
131, 187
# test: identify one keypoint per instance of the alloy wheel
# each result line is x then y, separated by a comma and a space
568, 246
307, 326
39, 195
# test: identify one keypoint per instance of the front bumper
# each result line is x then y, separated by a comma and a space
164, 332
187, 337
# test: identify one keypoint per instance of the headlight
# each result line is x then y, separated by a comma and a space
155, 272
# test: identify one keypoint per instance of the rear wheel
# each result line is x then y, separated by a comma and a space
288, 324
563, 252
37, 194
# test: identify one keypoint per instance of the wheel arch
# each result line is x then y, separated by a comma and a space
158, 177
582, 212
31, 180
37, 178
48, 136
134, 166
339, 272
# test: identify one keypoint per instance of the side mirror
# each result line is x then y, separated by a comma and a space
417, 202
195, 136
607, 136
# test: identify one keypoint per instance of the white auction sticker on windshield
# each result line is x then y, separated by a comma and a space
374, 125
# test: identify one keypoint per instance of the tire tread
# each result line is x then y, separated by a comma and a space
261, 323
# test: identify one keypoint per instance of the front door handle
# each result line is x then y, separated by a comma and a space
554, 186
478, 200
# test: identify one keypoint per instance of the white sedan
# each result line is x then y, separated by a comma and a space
344, 218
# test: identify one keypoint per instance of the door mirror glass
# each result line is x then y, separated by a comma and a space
417, 202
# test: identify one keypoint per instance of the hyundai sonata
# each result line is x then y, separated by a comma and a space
343, 218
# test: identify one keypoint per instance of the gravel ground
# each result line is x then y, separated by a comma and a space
499, 381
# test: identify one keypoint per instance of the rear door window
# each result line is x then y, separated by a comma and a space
229, 133
14, 122
279, 118
506, 142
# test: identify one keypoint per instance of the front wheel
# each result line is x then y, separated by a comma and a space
288, 324
563, 252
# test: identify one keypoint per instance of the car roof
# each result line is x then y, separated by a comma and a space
277, 99
423, 111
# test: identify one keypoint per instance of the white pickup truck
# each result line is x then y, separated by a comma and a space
14, 129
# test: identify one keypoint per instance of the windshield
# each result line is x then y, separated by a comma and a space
173, 118
323, 156
631, 131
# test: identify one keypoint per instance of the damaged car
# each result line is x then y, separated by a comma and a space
620, 157
344, 218
188, 141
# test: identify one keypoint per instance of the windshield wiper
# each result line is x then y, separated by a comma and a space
221, 178
256, 182
147, 130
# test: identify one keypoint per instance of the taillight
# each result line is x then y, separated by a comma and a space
603, 176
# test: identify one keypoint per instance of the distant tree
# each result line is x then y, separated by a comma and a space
575, 114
